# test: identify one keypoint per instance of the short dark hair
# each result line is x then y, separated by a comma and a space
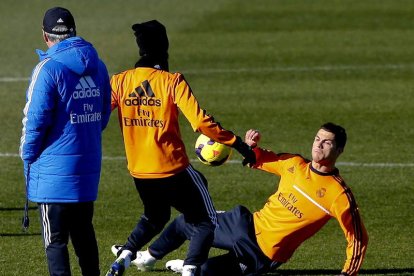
340, 133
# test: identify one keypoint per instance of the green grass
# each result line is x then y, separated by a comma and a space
283, 67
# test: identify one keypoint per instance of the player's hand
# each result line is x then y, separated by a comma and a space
252, 138
245, 150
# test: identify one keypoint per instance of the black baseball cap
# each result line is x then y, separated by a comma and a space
58, 17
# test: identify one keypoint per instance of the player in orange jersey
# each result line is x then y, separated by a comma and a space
149, 99
310, 192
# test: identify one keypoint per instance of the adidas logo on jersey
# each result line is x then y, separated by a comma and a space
143, 95
86, 88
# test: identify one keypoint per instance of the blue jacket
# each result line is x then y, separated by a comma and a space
68, 104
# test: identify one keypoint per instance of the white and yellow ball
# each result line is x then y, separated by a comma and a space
210, 152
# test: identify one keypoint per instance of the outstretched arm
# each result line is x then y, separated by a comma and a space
347, 213
204, 123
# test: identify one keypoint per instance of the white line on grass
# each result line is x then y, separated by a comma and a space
341, 164
13, 79
270, 69
302, 69
5, 154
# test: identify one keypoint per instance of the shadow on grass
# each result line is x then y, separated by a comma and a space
291, 272
379, 271
19, 234
16, 208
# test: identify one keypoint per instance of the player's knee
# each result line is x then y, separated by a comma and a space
159, 224
155, 223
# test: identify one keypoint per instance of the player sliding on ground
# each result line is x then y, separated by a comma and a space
309, 194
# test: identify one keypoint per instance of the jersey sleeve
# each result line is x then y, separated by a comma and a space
199, 119
347, 214
114, 92
269, 161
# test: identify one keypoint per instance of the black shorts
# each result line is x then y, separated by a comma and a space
186, 191
236, 234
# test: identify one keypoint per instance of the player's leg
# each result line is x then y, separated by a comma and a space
178, 231
83, 238
226, 264
173, 236
157, 212
55, 237
194, 201
237, 234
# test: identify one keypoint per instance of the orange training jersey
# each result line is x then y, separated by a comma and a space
148, 102
305, 200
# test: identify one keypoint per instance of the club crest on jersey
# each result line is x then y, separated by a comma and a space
321, 192
143, 95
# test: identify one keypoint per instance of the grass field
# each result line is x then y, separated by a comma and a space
283, 67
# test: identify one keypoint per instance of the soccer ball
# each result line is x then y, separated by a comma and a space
210, 152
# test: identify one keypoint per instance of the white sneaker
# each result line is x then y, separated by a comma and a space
189, 270
121, 264
115, 248
175, 265
144, 261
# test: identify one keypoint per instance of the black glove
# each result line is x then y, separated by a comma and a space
246, 151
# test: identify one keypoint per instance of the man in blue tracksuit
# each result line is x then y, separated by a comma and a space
67, 107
